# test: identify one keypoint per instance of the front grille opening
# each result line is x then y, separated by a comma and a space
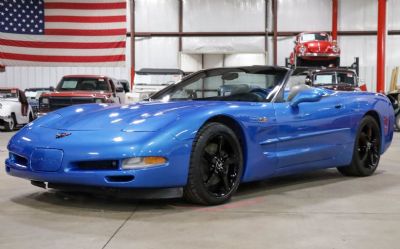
19, 160
98, 165
120, 178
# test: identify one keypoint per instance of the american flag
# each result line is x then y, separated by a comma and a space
62, 32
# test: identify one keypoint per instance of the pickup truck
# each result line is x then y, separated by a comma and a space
81, 89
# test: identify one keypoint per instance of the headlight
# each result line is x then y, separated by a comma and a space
302, 49
143, 162
45, 101
99, 100
335, 49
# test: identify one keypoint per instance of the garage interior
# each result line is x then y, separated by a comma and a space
318, 209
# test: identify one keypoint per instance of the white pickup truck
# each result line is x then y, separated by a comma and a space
14, 109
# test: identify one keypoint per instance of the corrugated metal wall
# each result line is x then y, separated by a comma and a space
237, 15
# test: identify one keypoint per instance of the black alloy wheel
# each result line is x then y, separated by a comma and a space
216, 165
366, 153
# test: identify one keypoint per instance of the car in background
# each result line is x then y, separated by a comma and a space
394, 97
205, 135
33, 95
82, 89
337, 79
14, 109
151, 80
315, 49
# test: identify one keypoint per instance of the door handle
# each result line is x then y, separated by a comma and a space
338, 106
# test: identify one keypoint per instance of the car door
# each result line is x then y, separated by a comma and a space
311, 134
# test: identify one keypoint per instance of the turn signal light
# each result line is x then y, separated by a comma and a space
154, 160
143, 162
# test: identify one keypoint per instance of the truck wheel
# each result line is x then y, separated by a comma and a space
10, 126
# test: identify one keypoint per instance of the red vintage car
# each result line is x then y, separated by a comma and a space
315, 49
81, 89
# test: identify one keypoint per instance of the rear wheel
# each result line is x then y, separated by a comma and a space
216, 166
10, 126
366, 153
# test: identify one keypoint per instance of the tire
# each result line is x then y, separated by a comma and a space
366, 152
10, 126
298, 62
397, 121
216, 166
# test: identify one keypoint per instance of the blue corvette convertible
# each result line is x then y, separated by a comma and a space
205, 135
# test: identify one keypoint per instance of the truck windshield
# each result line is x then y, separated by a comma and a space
5, 94
83, 84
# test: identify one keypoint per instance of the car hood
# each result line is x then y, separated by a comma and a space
145, 116
8, 101
318, 46
81, 94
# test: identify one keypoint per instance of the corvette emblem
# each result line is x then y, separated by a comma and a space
63, 134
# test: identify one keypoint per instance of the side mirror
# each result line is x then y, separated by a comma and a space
307, 95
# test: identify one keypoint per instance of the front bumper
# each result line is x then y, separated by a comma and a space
323, 55
42, 158
5, 118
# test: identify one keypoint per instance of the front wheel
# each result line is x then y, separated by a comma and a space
10, 126
366, 153
216, 166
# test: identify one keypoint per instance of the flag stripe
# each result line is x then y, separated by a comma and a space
47, 58
62, 12
64, 52
62, 45
64, 64
85, 1
61, 38
82, 32
82, 6
85, 26
85, 19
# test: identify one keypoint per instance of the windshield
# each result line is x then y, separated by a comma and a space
315, 37
324, 79
346, 78
335, 78
6, 94
83, 84
254, 84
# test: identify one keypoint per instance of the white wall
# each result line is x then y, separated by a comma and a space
234, 15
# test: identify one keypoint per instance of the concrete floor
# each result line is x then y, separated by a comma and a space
315, 210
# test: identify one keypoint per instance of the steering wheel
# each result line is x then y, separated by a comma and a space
261, 92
